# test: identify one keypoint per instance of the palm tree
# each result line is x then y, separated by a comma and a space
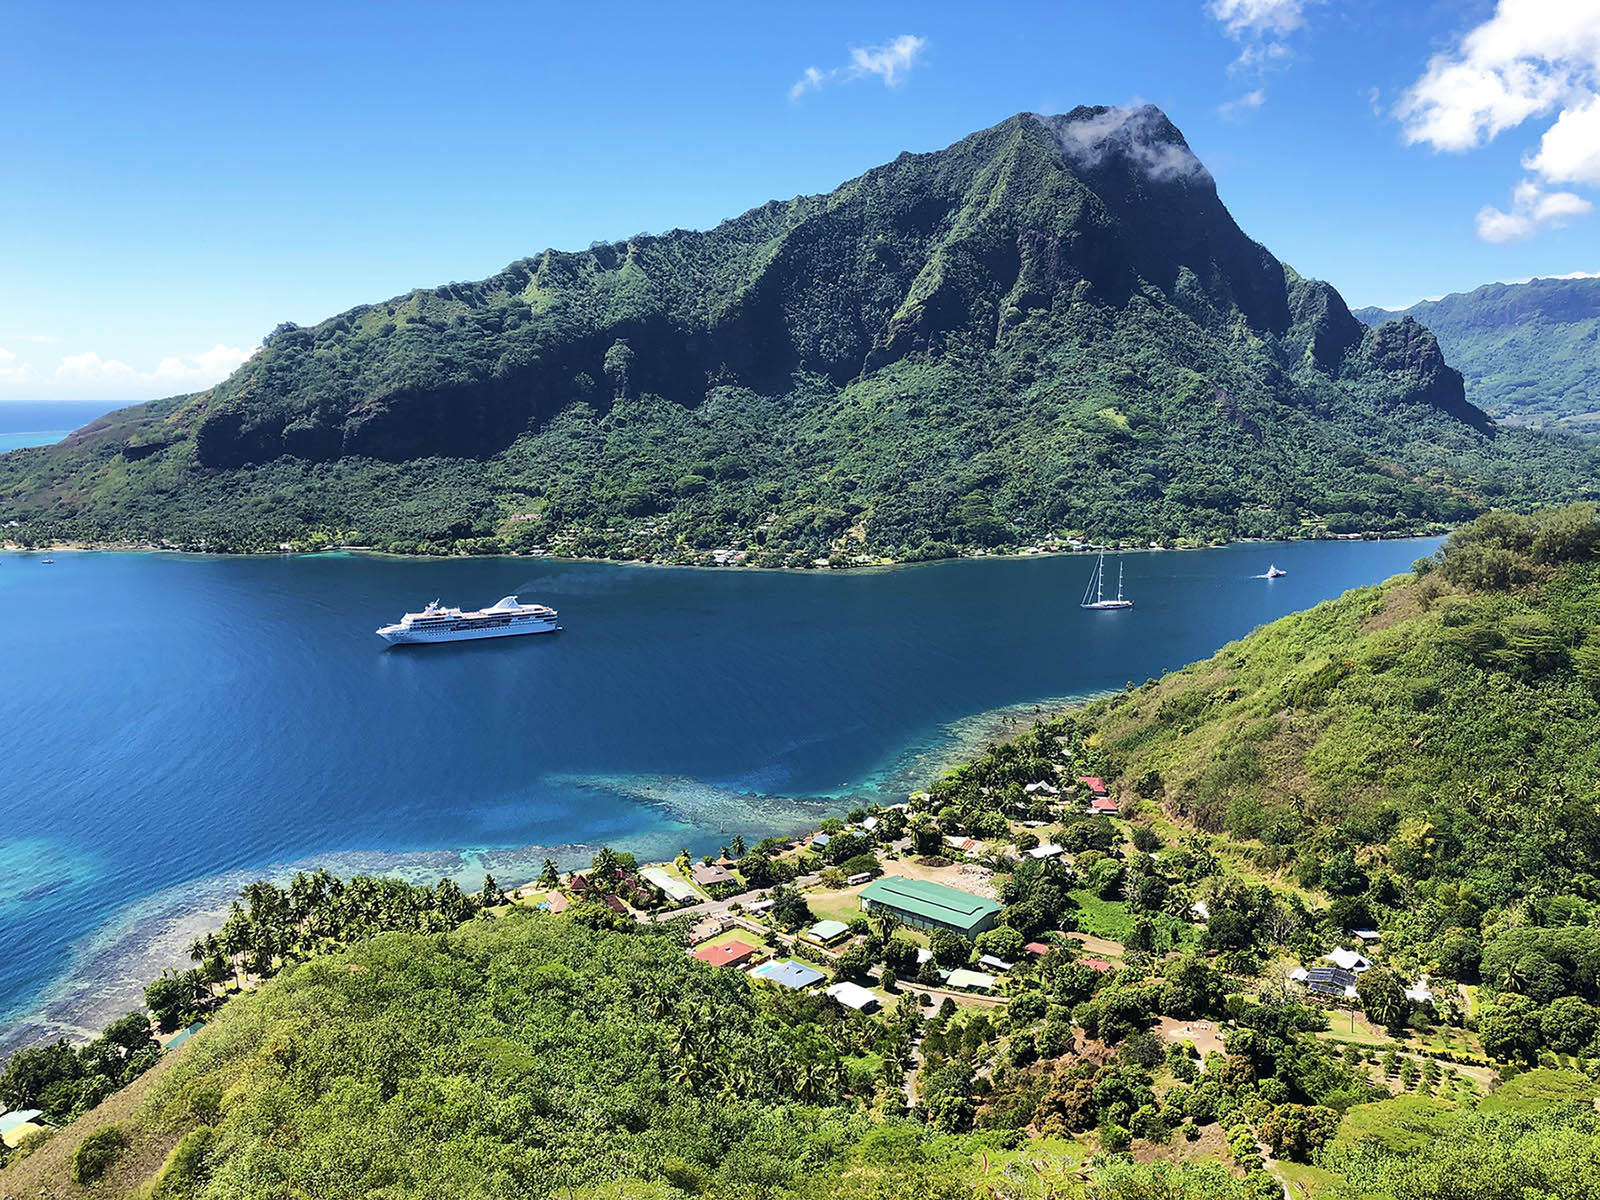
808, 1082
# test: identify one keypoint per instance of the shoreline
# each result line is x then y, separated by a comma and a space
9, 547
110, 966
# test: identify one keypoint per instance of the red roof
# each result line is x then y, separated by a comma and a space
1040, 948
729, 954
1096, 964
1103, 804
616, 903
1094, 783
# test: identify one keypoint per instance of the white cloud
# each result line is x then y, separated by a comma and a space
90, 375
1569, 152
1261, 27
1531, 58
1234, 109
12, 370
1259, 18
1139, 135
890, 62
1532, 209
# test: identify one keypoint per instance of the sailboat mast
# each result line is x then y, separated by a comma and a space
1119, 579
1100, 580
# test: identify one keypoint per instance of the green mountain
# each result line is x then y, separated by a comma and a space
1530, 352
1052, 326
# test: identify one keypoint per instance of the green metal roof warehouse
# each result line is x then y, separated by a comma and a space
927, 905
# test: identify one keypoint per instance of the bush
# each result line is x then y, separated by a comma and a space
96, 1153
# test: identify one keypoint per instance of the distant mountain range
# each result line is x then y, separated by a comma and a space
1530, 352
1051, 327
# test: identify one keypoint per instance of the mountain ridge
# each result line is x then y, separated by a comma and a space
1051, 326
1530, 351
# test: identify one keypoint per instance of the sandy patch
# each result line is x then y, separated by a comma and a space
1103, 947
1204, 1034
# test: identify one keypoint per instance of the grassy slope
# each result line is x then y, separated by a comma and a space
1347, 724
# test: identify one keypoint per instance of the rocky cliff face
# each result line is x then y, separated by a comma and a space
957, 246
1529, 352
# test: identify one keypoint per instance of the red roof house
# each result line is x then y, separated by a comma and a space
728, 954
1095, 784
1038, 948
1102, 804
1096, 964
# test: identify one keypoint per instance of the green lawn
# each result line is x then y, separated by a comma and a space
1103, 918
1305, 1180
835, 907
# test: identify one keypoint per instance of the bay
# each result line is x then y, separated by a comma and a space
175, 725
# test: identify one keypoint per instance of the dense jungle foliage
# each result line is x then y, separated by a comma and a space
1052, 327
1530, 352
1424, 753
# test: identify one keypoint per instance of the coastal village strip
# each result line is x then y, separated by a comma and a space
884, 909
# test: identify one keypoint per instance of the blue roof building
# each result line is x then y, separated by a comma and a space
790, 974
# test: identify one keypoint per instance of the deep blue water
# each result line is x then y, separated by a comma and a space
174, 725
41, 423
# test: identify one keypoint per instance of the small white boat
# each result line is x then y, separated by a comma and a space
47, 561
1097, 586
1273, 573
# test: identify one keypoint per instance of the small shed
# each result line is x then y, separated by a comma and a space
970, 981
825, 933
14, 1126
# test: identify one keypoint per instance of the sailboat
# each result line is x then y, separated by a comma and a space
1273, 572
1097, 586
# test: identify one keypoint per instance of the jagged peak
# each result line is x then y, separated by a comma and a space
1141, 136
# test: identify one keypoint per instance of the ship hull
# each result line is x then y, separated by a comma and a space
405, 637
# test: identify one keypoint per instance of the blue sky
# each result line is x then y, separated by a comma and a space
181, 178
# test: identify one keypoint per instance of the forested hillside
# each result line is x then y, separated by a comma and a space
1530, 352
1425, 753
1051, 327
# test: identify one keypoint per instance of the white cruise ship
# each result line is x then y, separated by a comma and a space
438, 624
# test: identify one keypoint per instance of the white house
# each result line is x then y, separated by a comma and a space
853, 995
1348, 960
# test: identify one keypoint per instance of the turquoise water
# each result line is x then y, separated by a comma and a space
176, 725
16, 441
